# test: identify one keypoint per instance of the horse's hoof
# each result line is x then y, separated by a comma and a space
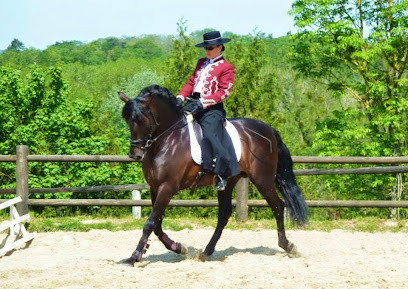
128, 262
136, 257
182, 249
201, 255
292, 251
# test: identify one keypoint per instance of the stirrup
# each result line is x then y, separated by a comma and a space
220, 184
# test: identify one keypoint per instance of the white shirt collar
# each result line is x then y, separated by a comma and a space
215, 59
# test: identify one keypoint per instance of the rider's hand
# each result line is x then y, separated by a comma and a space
193, 106
179, 101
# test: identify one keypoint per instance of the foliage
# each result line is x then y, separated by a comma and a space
358, 48
181, 60
16, 45
95, 53
34, 112
111, 106
255, 87
301, 105
146, 48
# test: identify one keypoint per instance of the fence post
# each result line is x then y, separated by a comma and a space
242, 200
136, 210
22, 179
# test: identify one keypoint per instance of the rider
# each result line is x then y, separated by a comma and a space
208, 86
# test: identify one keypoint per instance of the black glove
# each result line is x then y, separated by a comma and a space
194, 106
179, 102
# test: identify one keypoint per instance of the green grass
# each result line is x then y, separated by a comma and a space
86, 223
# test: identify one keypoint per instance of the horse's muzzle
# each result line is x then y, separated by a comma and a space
136, 157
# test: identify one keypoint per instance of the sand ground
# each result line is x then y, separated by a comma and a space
243, 259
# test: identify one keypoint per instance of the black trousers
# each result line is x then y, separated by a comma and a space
217, 150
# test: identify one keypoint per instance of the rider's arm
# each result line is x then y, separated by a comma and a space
188, 88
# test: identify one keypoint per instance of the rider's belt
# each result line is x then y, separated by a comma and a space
196, 95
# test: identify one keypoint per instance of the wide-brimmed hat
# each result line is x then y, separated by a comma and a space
212, 38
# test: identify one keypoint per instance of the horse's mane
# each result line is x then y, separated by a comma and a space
134, 109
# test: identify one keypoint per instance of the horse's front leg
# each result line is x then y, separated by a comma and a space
176, 247
164, 194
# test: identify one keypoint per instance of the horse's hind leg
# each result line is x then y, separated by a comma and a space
268, 191
224, 213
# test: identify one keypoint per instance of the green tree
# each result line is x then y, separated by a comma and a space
359, 48
147, 48
181, 61
255, 87
16, 45
299, 96
34, 112
111, 108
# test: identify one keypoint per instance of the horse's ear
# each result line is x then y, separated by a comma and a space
123, 96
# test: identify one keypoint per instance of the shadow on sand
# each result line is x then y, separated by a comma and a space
195, 254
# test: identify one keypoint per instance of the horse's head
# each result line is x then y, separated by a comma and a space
148, 115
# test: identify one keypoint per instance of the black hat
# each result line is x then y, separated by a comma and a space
212, 38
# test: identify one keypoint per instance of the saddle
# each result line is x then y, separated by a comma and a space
196, 137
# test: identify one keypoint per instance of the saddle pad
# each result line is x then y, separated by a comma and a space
195, 146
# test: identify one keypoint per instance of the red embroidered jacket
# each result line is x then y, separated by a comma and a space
217, 82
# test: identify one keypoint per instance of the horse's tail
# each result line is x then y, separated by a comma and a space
288, 186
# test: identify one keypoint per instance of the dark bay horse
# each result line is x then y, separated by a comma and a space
160, 140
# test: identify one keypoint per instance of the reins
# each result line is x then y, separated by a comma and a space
150, 141
264, 137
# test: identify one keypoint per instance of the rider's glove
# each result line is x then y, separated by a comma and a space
193, 106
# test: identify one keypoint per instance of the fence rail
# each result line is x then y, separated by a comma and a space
210, 203
22, 158
130, 187
122, 158
350, 160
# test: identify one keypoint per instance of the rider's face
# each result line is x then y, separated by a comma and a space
213, 51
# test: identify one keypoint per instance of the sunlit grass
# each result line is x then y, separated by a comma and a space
86, 223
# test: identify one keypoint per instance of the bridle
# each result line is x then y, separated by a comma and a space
145, 143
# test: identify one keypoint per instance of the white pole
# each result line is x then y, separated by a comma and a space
15, 229
136, 211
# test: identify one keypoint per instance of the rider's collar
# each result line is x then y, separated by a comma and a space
215, 59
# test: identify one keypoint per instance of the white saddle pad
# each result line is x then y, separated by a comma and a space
196, 149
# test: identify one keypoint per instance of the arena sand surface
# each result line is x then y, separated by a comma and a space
244, 259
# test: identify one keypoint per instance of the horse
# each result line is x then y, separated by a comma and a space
160, 141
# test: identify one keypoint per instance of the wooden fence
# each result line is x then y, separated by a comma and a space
22, 159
